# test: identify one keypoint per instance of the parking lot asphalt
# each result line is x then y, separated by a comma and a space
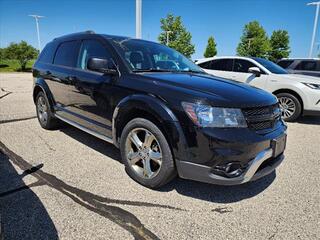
66, 184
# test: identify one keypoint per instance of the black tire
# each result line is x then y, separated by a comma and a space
51, 121
167, 170
298, 108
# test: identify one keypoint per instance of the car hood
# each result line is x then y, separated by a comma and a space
219, 91
298, 78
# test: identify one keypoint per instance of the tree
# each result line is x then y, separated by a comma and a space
279, 43
1, 53
211, 49
179, 38
254, 41
23, 52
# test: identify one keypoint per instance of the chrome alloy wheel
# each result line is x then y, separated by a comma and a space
143, 152
288, 107
42, 110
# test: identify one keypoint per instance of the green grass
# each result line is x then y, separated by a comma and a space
13, 66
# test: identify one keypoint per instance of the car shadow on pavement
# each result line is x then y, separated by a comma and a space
217, 193
104, 206
22, 214
312, 120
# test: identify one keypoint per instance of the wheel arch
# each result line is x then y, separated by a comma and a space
41, 86
294, 93
154, 110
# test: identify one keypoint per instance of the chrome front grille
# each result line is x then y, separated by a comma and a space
262, 118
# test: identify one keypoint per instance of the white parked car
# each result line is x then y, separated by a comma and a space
298, 94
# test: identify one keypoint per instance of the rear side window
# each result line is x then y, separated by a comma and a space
222, 64
285, 63
241, 65
67, 54
90, 49
47, 53
307, 66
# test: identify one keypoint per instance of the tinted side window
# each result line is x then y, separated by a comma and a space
285, 63
89, 49
318, 65
47, 53
222, 64
241, 65
307, 66
205, 65
67, 54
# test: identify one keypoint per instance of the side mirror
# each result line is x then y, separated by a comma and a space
101, 65
255, 70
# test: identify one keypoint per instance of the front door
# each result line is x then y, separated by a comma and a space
92, 91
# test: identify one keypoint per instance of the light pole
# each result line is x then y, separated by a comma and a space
138, 18
314, 26
318, 46
167, 33
37, 17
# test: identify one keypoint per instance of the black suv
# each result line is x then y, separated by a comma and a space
165, 114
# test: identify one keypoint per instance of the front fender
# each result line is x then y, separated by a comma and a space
159, 110
300, 90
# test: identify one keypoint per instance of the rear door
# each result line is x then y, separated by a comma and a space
218, 67
241, 73
59, 76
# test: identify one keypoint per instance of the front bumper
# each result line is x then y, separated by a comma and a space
311, 101
262, 165
211, 151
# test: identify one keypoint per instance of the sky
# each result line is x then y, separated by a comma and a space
223, 19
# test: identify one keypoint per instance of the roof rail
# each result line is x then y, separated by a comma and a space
73, 34
302, 58
90, 32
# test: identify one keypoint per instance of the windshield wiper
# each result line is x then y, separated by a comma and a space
166, 70
151, 70
190, 71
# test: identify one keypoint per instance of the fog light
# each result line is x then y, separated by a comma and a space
230, 170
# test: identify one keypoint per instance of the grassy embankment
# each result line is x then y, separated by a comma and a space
13, 66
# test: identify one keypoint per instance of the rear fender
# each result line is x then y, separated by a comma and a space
41, 85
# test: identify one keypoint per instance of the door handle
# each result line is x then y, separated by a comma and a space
47, 73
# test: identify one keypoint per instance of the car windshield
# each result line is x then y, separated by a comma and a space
272, 67
144, 56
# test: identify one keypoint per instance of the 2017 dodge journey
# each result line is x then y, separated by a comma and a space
167, 116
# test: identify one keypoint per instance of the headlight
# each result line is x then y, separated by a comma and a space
313, 85
207, 116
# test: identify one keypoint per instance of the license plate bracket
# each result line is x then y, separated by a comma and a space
278, 145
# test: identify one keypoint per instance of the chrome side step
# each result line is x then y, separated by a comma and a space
98, 135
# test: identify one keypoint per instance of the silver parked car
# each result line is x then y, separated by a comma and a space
305, 66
